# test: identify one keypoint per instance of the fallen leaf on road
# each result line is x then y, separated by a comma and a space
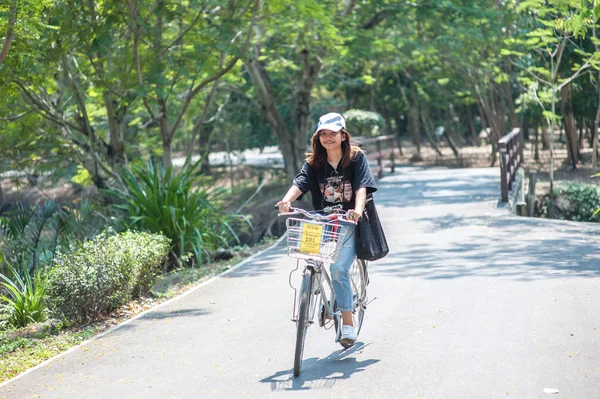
551, 391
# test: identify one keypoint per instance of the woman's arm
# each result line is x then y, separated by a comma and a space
292, 194
359, 203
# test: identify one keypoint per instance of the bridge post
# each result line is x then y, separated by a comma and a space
379, 160
510, 160
503, 171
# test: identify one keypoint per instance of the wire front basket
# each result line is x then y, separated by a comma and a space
316, 240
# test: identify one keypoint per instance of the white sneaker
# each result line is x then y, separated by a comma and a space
348, 337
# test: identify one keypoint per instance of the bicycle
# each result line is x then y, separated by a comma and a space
317, 239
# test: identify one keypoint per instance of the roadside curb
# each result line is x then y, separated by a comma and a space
178, 297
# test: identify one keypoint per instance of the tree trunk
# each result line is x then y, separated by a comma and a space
595, 141
536, 155
474, 134
498, 109
116, 121
525, 128
487, 109
204, 144
595, 129
203, 132
311, 66
428, 129
545, 137
493, 133
167, 153
580, 129
509, 95
400, 128
10, 33
569, 123
269, 110
388, 127
414, 126
413, 114
167, 139
451, 142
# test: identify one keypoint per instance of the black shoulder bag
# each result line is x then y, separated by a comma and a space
370, 238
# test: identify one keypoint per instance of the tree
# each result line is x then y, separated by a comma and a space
126, 70
172, 51
10, 32
548, 39
308, 34
20, 25
584, 22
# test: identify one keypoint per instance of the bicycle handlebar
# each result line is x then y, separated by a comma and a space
341, 214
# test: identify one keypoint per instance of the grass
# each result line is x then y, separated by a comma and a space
21, 349
25, 348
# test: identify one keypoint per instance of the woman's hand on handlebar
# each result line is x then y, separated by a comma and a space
283, 206
353, 215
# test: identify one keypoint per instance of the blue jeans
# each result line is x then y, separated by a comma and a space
339, 270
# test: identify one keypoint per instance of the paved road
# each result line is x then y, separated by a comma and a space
471, 303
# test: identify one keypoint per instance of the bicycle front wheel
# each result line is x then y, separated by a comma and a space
303, 318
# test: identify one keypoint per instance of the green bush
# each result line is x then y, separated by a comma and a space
183, 206
581, 202
597, 211
100, 275
25, 298
364, 123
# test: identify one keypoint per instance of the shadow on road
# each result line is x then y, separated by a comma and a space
521, 248
160, 315
264, 264
321, 373
437, 186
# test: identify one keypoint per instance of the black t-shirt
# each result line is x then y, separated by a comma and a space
334, 186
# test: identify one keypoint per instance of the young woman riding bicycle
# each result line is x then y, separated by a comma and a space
336, 172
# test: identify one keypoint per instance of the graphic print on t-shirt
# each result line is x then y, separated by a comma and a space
335, 187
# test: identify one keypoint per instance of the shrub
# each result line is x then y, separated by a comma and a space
184, 207
25, 299
364, 123
100, 275
576, 202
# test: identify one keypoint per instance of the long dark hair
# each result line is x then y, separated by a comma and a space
317, 158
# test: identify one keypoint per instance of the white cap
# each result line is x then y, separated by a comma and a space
331, 121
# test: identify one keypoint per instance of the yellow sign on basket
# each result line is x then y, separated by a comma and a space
310, 242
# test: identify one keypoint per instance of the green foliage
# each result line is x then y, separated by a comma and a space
105, 273
30, 237
25, 244
183, 206
583, 200
25, 298
82, 177
364, 123
597, 211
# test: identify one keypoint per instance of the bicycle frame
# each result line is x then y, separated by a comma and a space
323, 288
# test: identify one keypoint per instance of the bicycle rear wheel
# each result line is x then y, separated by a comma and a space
358, 283
303, 318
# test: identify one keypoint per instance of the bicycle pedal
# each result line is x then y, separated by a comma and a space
368, 303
